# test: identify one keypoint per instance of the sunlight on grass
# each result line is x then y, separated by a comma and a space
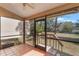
68, 35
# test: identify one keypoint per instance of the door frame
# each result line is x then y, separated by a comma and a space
45, 33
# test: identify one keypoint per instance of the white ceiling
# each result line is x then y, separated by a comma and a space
18, 8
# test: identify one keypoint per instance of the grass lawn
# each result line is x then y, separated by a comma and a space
68, 35
71, 48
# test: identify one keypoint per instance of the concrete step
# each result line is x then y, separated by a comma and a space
53, 52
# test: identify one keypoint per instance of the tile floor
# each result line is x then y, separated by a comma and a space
20, 50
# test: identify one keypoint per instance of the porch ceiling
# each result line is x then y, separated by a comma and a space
18, 8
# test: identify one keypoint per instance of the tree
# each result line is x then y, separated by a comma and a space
20, 27
51, 24
39, 28
67, 27
77, 24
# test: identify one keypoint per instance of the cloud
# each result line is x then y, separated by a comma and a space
62, 19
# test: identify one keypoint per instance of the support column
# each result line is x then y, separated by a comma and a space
34, 40
45, 33
0, 32
24, 31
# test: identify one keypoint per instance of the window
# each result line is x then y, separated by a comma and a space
29, 31
68, 25
66, 28
51, 24
11, 32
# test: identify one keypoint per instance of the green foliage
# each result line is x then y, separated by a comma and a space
77, 24
67, 27
39, 28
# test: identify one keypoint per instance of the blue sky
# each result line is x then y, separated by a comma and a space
69, 17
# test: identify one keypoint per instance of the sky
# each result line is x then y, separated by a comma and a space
69, 17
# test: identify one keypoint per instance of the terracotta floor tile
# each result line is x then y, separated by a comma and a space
19, 50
